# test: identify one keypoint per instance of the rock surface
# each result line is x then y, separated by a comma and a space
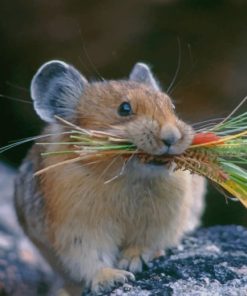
210, 262
22, 271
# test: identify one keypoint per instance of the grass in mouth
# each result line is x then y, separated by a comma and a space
218, 152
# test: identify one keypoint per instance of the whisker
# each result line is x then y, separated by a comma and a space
188, 72
232, 113
213, 120
177, 68
124, 166
118, 175
16, 99
17, 86
29, 139
84, 66
204, 127
109, 166
64, 162
89, 59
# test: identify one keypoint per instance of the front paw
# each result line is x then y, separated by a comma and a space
106, 278
133, 259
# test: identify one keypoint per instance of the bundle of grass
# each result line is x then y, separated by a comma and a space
218, 152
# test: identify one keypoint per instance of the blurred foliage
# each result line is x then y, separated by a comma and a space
105, 38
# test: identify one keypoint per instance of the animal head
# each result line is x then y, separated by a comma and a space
135, 107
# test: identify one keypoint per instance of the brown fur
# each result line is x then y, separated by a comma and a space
97, 217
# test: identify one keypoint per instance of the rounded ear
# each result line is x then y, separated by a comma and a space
56, 89
142, 73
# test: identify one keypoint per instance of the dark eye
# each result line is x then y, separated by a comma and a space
125, 109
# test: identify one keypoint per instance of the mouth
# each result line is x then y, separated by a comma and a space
152, 166
158, 163
155, 161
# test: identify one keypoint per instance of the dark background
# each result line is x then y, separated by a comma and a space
108, 37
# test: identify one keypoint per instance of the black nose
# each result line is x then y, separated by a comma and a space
169, 140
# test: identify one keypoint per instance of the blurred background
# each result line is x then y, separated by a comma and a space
106, 38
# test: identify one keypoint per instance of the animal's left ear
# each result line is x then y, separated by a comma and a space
142, 73
56, 89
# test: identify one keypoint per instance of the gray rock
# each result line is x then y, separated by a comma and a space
210, 262
8, 221
22, 270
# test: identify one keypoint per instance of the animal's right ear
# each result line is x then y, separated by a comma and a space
56, 89
142, 73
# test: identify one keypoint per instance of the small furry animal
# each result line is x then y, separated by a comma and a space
96, 233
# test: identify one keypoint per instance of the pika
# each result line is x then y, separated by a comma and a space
94, 233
